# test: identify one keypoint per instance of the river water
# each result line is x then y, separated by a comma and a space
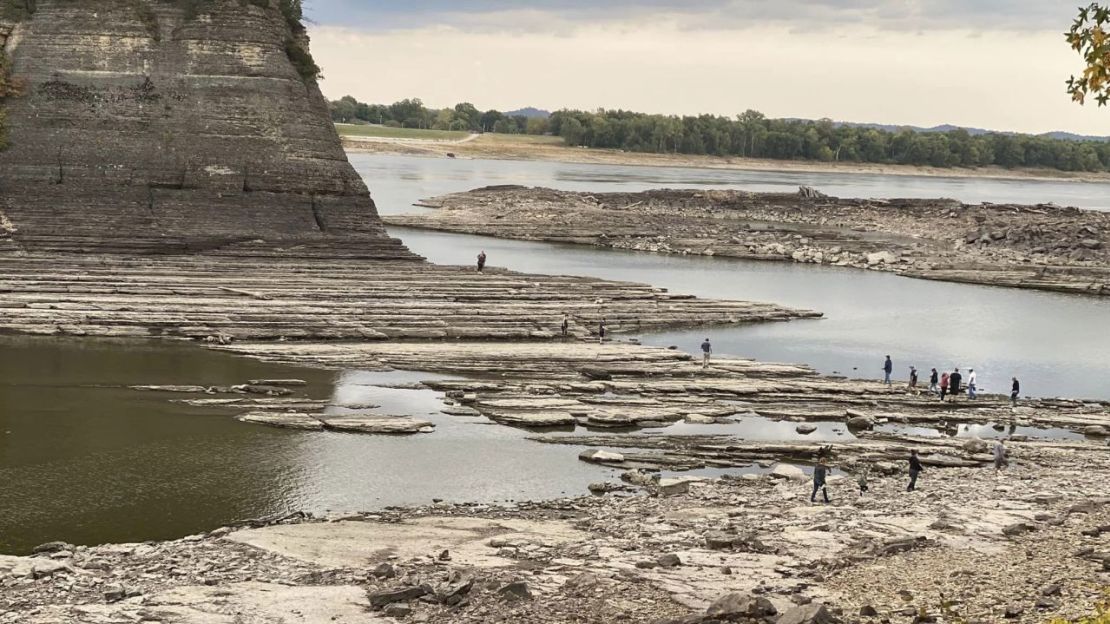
1056, 345
85, 459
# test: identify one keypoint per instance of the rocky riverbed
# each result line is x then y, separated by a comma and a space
1043, 247
967, 546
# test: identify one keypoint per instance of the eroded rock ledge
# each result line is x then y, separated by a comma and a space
1043, 247
235, 298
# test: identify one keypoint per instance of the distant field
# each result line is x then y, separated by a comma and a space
386, 132
521, 138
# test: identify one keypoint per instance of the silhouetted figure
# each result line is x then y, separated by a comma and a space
706, 351
888, 368
913, 378
954, 383
566, 324
481, 261
820, 471
933, 379
944, 380
601, 331
1015, 389
915, 469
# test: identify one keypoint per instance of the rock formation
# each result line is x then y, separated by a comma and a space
169, 126
1043, 247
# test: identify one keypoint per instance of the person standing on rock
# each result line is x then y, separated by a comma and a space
566, 324
601, 332
915, 469
913, 378
706, 351
971, 385
999, 456
933, 381
862, 478
943, 385
954, 383
820, 472
888, 368
1015, 389
482, 261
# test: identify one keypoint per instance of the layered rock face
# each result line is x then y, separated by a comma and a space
150, 126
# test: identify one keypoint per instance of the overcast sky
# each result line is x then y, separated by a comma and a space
997, 64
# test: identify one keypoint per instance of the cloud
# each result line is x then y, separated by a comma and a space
562, 16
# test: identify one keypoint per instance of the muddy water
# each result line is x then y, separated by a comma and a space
87, 460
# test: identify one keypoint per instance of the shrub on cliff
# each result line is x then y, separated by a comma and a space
16, 10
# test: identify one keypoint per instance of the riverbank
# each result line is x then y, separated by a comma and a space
527, 147
966, 546
1041, 247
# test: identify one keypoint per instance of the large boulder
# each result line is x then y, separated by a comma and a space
789, 472
737, 606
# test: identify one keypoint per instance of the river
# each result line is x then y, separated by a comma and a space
1056, 345
86, 459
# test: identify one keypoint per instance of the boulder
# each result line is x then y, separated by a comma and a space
789, 472
859, 423
598, 456
881, 257
975, 446
805, 428
736, 606
1097, 431
699, 419
517, 590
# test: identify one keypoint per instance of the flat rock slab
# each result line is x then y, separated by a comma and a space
377, 423
230, 604
361, 544
285, 420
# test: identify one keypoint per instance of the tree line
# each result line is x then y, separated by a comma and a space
411, 113
749, 135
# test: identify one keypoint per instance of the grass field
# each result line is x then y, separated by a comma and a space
518, 139
386, 132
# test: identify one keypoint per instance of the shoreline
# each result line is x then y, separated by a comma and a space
507, 149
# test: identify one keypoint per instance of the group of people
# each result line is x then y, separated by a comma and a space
948, 384
821, 472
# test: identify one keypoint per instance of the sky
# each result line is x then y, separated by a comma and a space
995, 64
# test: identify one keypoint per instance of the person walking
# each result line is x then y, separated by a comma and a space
971, 386
943, 385
913, 378
933, 379
888, 368
915, 469
954, 383
999, 456
566, 324
862, 478
820, 471
601, 332
706, 351
482, 261
1015, 389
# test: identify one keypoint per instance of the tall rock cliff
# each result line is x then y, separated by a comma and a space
168, 126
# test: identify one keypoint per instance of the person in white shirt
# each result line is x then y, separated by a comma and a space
971, 387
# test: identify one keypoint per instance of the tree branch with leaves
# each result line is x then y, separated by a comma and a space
1090, 37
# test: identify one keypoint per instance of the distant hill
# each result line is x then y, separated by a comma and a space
1065, 136
529, 112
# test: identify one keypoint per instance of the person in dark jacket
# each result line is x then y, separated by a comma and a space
820, 471
915, 469
933, 379
482, 261
954, 383
601, 331
1015, 390
566, 324
888, 368
706, 352
913, 378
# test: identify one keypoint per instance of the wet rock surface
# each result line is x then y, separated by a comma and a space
1043, 247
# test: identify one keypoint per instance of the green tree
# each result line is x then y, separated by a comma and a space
1090, 37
